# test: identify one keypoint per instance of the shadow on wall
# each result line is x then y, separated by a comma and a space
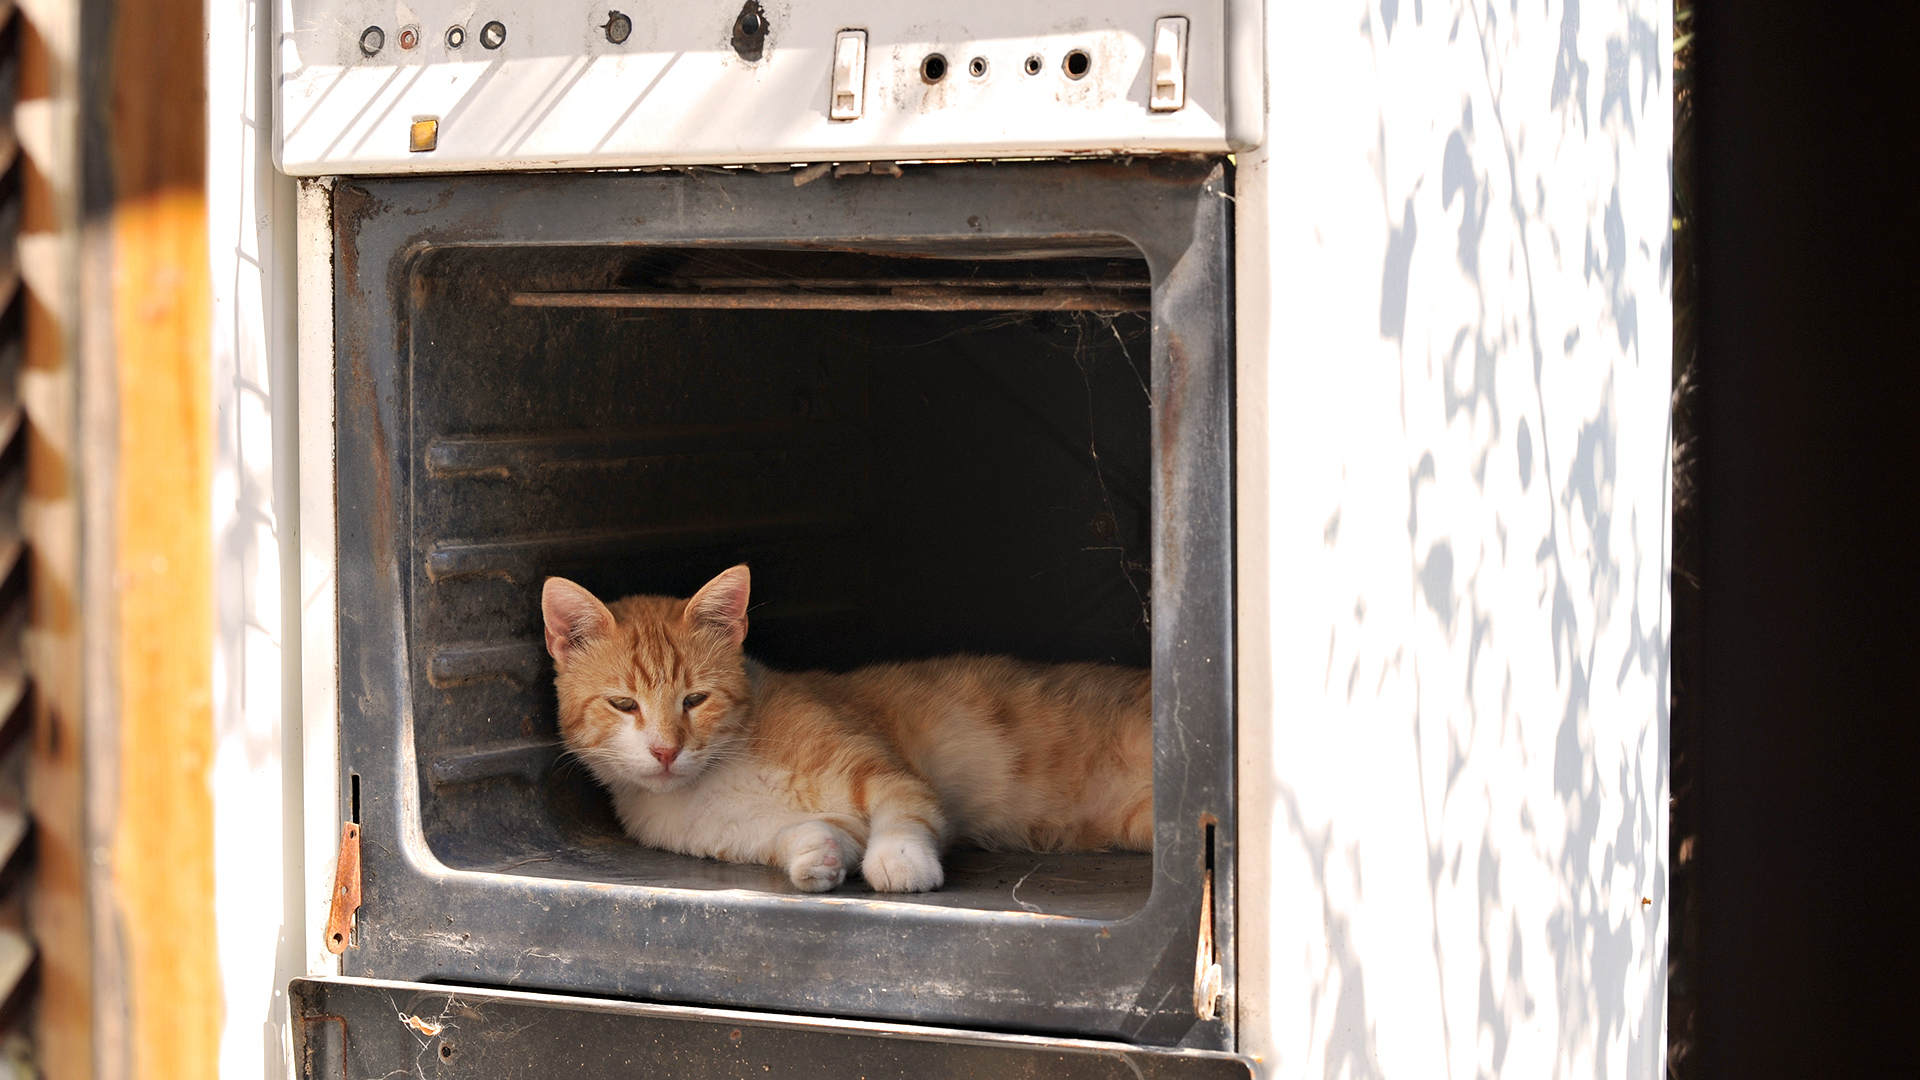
1523, 285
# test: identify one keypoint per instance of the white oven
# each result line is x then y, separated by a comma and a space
929, 320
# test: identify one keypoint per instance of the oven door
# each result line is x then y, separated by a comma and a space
360, 1027
635, 379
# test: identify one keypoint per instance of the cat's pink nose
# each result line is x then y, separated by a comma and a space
665, 755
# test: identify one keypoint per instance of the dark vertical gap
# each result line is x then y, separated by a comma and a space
1807, 249
1683, 912
356, 798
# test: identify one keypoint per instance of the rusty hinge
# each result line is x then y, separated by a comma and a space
1208, 979
346, 890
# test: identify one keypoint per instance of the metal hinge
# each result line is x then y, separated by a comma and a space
346, 890
1208, 979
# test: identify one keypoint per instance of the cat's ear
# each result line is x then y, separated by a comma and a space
721, 604
574, 617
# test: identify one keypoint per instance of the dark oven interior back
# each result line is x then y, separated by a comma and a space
903, 483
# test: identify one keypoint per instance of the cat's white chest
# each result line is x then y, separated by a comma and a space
732, 811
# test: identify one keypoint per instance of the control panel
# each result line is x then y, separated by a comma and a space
387, 86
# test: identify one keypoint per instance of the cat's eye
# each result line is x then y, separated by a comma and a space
624, 704
692, 700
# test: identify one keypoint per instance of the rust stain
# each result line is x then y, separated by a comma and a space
340, 1040
353, 207
378, 513
346, 890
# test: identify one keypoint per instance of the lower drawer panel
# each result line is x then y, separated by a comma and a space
365, 1027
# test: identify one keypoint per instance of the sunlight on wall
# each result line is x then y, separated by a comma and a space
1463, 472
257, 844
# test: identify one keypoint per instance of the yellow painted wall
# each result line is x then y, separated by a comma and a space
163, 846
162, 317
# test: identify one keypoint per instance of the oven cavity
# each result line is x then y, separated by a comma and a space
917, 457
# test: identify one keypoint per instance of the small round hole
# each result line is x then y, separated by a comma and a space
977, 67
494, 34
372, 40
933, 68
456, 36
1077, 64
1034, 64
446, 1050
409, 37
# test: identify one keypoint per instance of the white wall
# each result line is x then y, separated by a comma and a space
1454, 370
256, 780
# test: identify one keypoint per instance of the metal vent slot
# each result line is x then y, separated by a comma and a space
524, 456
523, 662
530, 761
895, 298
453, 665
523, 560
863, 294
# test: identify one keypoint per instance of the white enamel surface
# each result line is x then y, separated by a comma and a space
1453, 476
557, 92
255, 779
316, 671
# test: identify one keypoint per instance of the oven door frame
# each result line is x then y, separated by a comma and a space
421, 920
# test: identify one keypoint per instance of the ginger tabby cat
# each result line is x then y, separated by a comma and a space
710, 753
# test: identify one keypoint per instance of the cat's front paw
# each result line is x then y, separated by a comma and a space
816, 861
902, 864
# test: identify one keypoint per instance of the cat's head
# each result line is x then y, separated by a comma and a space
652, 689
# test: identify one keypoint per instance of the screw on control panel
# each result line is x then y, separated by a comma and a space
372, 40
493, 35
977, 66
933, 68
1077, 64
409, 37
618, 27
750, 31
1034, 64
456, 36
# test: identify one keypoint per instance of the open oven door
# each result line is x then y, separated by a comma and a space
360, 1027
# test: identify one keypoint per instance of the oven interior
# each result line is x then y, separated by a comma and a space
917, 456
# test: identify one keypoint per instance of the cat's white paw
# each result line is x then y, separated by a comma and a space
902, 864
816, 861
